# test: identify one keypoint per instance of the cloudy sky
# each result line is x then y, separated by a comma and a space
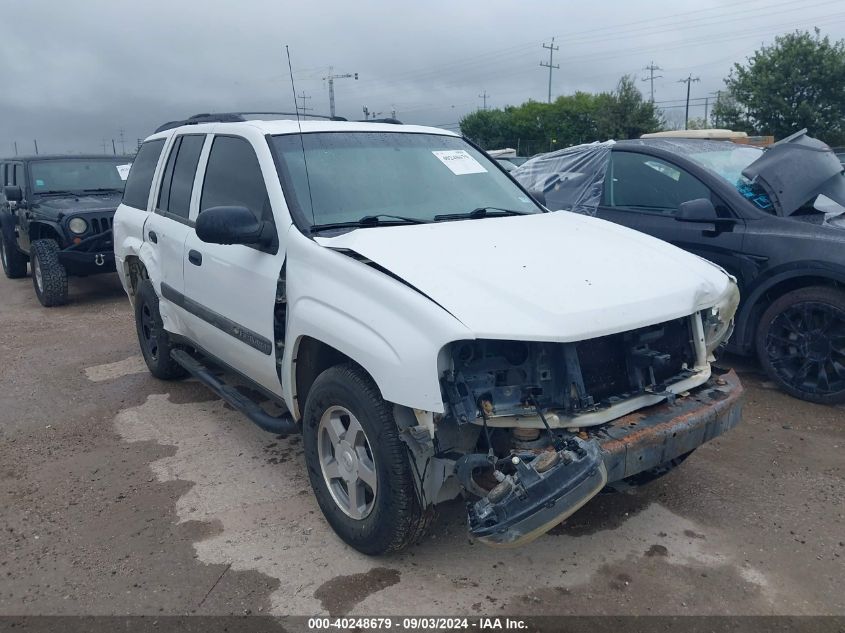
77, 73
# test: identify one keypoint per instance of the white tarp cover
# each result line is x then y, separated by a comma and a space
568, 179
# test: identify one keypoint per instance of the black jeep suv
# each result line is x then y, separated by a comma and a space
56, 212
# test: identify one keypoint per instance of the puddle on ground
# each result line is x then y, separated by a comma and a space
254, 486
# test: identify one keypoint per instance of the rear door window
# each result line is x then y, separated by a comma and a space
178, 181
137, 191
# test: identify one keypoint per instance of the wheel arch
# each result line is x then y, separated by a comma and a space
44, 230
311, 358
775, 287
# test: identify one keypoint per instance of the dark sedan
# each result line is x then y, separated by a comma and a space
773, 218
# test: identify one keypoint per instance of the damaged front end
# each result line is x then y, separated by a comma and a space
541, 413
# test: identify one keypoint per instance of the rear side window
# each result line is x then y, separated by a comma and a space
140, 178
178, 181
233, 178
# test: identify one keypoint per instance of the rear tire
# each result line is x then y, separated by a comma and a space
352, 443
152, 337
801, 344
49, 277
14, 262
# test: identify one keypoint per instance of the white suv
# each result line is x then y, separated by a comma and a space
427, 326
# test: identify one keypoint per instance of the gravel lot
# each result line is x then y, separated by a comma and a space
122, 494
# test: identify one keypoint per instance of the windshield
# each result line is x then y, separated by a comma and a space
727, 160
79, 175
353, 175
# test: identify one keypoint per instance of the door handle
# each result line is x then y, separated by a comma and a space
195, 257
153, 237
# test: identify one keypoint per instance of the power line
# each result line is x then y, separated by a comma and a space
484, 96
302, 108
552, 48
651, 76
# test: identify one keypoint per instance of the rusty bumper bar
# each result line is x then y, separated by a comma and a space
650, 437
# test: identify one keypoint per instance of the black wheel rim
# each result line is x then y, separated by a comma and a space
806, 347
149, 332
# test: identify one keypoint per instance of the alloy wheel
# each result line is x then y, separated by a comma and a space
149, 331
346, 461
806, 347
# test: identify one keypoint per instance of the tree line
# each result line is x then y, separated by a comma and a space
796, 82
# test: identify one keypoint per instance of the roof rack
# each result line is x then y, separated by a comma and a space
235, 117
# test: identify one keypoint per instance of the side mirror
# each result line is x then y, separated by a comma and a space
700, 210
233, 225
13, 193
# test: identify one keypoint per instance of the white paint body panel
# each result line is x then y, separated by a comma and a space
548, 277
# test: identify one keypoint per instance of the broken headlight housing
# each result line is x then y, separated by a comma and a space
718, 321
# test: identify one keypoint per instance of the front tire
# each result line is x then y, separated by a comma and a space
152, 337
358, 466
14, 262
49, 277
801, 344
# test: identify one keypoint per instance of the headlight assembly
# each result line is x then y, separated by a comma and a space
718, 321
77, 226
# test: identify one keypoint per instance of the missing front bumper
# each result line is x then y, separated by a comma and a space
625, 447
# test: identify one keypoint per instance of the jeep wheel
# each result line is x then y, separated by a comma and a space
48, 275
358, 465
152, 337
14, 262
801, 344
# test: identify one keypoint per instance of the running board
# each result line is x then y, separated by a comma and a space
282, 425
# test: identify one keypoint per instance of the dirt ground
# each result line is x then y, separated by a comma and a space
122, 494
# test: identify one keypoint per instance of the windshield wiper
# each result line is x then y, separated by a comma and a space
102, 189
369, 220
480, 212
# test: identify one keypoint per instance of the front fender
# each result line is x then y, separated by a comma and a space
394, 332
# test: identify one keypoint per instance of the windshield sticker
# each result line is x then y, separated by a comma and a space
123, 170
39, 182
459, 162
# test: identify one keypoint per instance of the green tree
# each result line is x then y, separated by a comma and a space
569, 120
797, 82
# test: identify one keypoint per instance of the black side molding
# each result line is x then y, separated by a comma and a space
238, 331
282, 425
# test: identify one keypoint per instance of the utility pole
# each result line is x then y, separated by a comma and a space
651, 76
302, 108
122, 142
706, 110
552, 48
484, 96
688, 81
331, 79
104, 145
16, 148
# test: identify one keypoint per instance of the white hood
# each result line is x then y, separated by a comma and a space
545, 277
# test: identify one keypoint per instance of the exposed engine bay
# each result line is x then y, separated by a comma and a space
510, 438
491, 379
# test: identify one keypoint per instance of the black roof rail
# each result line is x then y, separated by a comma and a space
235, 117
